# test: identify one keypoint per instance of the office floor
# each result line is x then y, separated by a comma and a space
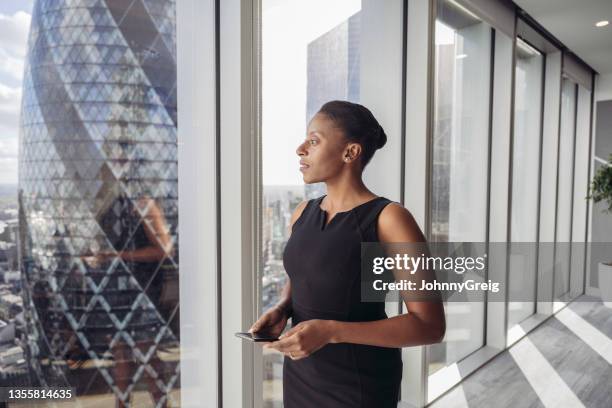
566, 362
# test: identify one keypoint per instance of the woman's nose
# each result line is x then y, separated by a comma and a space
300, 149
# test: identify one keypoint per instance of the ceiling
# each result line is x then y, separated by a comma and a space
573, 23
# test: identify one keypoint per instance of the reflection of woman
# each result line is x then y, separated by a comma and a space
140, 237
341, 352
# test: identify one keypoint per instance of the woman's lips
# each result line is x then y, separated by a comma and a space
303, 166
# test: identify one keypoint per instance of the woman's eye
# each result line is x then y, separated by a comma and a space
312, 141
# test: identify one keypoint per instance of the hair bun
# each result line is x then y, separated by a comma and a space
381, 137
358, 125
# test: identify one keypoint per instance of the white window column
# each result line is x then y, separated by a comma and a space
196, 33
239, 178
548, 181
417, 170
500, 185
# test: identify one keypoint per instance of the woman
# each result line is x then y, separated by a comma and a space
341, 352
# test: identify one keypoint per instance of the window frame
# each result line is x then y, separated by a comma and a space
497, 217
516, 332
197, 166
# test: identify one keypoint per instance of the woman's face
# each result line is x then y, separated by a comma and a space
322, 152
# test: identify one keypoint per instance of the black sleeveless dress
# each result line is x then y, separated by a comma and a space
324, 265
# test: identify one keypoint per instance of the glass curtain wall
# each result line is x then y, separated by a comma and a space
460, 160
564, 189
528, 93
310, 55
98, 202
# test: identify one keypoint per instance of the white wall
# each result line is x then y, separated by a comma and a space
603, 87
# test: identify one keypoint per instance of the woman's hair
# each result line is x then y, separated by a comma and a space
358, 125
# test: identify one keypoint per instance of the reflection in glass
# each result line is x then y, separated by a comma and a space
460, 154
525, 167
98, 201
310, 55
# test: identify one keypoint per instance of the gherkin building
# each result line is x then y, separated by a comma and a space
99, 201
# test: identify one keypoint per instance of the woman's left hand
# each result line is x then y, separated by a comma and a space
304, 338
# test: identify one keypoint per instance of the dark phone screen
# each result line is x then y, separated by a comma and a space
256, 336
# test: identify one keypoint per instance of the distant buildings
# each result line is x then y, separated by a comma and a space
8, 253
333, 65
10, 303
13, 366
9, 229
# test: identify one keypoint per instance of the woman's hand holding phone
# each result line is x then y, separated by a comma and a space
272, 322
305, 338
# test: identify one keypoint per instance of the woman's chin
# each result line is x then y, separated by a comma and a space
308, 177
308, 180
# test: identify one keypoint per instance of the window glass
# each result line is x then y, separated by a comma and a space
525, 168
460, 155
98, 205
310, 55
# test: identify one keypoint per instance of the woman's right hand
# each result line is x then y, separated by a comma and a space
271, 322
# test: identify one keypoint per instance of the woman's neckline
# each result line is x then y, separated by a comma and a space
347, 211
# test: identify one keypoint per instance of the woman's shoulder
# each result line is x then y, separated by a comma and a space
397, 224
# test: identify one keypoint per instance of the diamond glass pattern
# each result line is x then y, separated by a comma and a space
98, 198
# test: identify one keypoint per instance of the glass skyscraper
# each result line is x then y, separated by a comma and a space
333, 73
98, 199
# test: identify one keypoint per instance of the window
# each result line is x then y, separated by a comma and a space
460, 160
310, 55
528, 88
98, 203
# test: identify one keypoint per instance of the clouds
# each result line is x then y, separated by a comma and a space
13, 42
14, 32
8, 161
8, 149
10, 101
13, 48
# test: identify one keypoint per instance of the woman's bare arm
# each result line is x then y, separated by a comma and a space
284, 301
156, 229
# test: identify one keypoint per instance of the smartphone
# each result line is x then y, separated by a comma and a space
256, 336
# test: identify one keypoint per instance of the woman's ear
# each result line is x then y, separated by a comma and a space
352, 151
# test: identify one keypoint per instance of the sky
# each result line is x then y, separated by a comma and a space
288, 26
15, 18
